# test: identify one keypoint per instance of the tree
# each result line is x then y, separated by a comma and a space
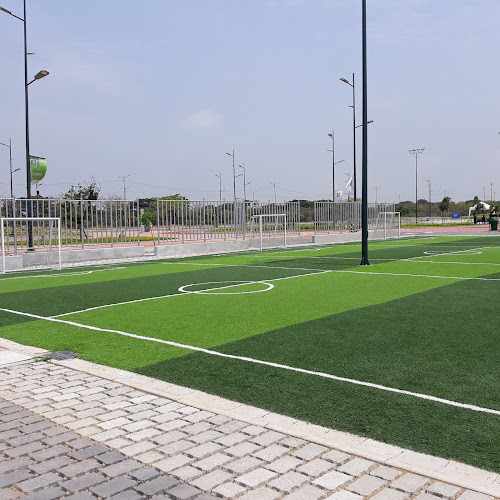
404, 211
444, 206
85, 191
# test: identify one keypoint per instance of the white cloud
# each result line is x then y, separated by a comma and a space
203, 119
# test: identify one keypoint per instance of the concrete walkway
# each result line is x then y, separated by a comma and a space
73, 429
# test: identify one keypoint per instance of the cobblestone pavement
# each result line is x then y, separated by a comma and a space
68, 434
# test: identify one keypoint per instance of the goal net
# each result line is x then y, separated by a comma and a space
270, 228
387, 225
45, 236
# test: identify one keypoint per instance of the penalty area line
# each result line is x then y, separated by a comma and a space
266, 363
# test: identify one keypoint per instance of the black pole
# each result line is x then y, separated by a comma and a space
364, 189
416, 188
333, 166
28, 169
354, 136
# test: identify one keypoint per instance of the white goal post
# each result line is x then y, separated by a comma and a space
387, 225
268, 226
23, 221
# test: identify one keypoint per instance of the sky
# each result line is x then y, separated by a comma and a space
159, 91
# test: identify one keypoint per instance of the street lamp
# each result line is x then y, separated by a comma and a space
38, 76
234, 175
244, 182
219, 175
416, 153
332, 135
10, 164
353, 128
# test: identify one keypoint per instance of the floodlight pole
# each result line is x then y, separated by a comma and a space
364, 186
353, 129
416, 153
332, 135
10, 165
234, 176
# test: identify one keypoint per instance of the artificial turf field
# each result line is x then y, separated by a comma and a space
404, 351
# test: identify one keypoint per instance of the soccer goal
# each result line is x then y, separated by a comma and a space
387, 225
46, 231
272, 226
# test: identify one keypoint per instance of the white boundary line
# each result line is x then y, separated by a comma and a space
266, 363
414, 275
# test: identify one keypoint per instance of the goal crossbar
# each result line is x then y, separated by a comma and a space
22, 220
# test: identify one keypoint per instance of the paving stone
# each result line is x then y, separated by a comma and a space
231, 426
127, 495
256, 477
118, 443
173, 425
25, 449
50, 465
443, 490
198, 416
137, 448
261, 494
143, 434
157, 485
21, 439
144, 474
16, 463
211, 480
81, 443
212, 462
79, 468
137, 426
169, 437
219, 419
332, 480
176, 447
474, 495
111, 457
61, 438
187, 473
267, 438
36, 427
410, 483
183, 492
356, 466
389, 494
45, 494
174, 462
242, 449
107, 435
229, 490
271, 452
203, 450
202, 437
231, 439
292, 442
90, 451
113, 487
384, 472
284, 464
120, 468
307, 492
425, 496
149, 457
288, 482
13, 478
366, 485
315, 467
7, 494
337, 457
343, 495
309, 451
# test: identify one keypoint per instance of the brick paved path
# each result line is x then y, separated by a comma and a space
68, 434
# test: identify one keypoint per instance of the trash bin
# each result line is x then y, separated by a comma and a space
494, 224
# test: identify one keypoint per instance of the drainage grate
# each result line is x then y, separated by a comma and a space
61, 355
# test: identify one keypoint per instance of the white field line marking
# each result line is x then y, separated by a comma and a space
266, 363
234, 284
74, 273
178, 294
443, 262
414, 275
239, 265
456, 252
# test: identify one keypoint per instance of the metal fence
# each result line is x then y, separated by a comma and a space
117, 222
83, 222
333, 217
183, 220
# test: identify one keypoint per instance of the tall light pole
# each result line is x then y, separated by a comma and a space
123, 177
416, 153
234, 175
429, 185
219, 175
332, 135
376, 188
244, 182
10, 165
364, 186
353, 129
38, 76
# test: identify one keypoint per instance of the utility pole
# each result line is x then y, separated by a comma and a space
416, 153
123, 177
430, 197
219, 175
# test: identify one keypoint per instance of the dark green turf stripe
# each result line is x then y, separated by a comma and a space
429, 343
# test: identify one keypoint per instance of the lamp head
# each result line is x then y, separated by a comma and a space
41, 74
